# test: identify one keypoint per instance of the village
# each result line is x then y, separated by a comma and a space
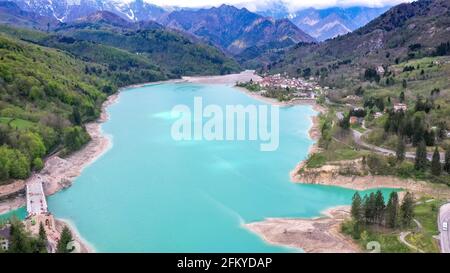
285, 88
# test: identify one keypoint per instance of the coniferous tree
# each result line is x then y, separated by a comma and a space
429, 137
345, 122
64, 240
369, 208
379, 208
42, 241
365, 209
42, 232
436, 167
407, 210
357, 215
18, 242
447, 161
356, 210
421, 157
418, 130
400, 152
392, 211
76, 116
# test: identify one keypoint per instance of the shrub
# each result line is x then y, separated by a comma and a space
378, 165
405, 169
38, 164
74, 138
316, 160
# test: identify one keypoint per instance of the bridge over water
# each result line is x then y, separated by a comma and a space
36, 201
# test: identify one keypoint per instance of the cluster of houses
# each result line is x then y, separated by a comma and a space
300, 87
397, 107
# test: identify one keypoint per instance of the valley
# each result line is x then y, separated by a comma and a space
375, 81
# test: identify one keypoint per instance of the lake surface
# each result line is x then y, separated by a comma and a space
150, 193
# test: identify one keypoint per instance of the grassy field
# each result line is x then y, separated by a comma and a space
358, 128
388, 239
425, 212
15, 123
319, 159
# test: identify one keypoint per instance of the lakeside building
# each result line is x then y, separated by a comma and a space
297, 87
295, 84
5, 237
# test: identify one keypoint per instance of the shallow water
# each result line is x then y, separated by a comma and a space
150, 193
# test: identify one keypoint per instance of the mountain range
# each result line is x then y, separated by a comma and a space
234, 29
406, 31
328, 23
70, 10
321, 24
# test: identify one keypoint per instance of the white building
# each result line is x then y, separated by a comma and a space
400, 106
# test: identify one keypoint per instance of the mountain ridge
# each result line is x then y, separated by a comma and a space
406, 31
234, 29
326, 23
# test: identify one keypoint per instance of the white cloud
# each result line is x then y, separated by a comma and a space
292, 5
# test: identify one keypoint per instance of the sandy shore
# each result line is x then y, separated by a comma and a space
319, 235
229, 79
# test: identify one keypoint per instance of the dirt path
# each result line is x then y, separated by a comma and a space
402, 239
404, 234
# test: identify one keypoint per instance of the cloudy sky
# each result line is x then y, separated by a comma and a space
290, 4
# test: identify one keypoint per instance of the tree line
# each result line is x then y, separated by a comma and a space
372, 210
21, 241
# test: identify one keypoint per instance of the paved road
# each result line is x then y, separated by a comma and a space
357, 136
419, 225
444, 216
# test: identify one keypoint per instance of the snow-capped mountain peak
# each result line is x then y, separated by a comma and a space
70, 10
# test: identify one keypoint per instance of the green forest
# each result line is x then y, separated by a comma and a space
51, 84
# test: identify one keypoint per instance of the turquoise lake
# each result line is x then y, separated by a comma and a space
150, 193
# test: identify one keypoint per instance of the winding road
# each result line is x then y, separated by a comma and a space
404, 234
444, 236
357, 136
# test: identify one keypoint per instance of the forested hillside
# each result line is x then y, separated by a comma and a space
52, 82
45, 96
